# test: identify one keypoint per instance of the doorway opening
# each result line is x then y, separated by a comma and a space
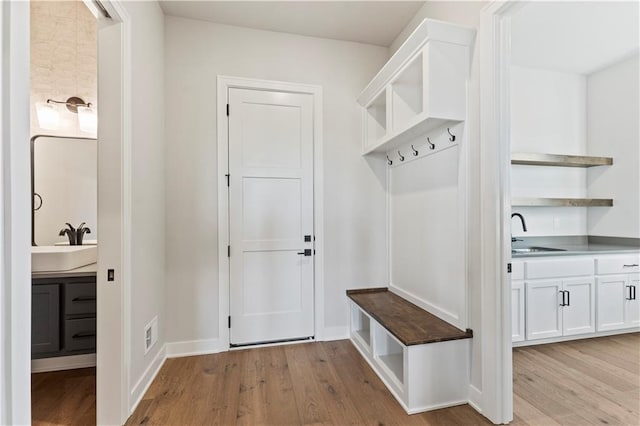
567, 93
79, 304
270, 211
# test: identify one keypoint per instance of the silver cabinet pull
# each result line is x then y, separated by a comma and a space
630, 266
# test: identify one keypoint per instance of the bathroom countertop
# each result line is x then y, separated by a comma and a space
84, 271
577, 245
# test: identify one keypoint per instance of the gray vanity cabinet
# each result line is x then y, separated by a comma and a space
63, 316
45, 318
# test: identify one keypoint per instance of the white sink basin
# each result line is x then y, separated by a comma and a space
62, 258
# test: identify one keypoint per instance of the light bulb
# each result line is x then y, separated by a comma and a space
48, 116
88, 120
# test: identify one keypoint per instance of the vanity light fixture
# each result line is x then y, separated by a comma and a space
49, 116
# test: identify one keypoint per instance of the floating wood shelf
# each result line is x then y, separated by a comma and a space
562, 202
537, 159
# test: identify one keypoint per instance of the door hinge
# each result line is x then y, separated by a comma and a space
227, 110
228, 176
228, 251
229, 319
508, 268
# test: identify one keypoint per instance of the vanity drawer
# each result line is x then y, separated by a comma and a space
80, 334
559, 267
80, 298
618, 264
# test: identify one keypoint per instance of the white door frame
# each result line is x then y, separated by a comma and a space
495, 170
225, 83
113, 328
15, 216
15, 269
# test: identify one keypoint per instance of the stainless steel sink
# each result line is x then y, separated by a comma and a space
534, 249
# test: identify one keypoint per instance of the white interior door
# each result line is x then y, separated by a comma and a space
270, 216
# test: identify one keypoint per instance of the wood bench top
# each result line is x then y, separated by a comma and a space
409, 323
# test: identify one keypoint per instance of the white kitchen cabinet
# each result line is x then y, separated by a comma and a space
557, 308
579, 310
618, 305
517, 311
544, 317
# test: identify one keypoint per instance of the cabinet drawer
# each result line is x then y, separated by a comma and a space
80, 334
517, 270
558, 268
80, 298
618, 264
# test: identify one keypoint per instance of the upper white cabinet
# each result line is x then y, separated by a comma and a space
422, 87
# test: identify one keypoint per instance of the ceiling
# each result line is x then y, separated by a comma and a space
578, 37
372, 22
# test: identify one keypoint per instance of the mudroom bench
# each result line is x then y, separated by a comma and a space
423, 360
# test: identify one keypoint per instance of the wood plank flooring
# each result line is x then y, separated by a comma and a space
592, 381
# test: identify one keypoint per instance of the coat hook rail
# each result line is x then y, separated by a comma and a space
431, 144
452, 136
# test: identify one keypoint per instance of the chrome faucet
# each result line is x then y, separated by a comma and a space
524, 225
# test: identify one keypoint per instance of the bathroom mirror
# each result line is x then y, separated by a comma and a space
64, 187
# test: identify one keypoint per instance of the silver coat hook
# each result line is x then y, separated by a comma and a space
415, 151
453, 137
389, 161
431, 144
401, 156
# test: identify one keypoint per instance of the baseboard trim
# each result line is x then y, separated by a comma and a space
60, 363
141, 387
335, 333
475, 398
195, 347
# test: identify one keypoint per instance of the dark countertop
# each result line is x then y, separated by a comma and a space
577, 245
409, 323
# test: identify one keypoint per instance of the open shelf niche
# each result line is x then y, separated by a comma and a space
422, 87
389, 353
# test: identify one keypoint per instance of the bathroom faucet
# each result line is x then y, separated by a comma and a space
80, 233
524, 225
70, 232
75, 235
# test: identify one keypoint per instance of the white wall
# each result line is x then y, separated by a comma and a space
147, 180
613, 130
548, 115
354, 196
466, 13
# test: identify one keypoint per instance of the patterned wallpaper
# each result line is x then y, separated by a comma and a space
63, 59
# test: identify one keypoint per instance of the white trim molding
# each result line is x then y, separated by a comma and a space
335, 333
15, 268
224, 83
495, 209
149, 375
195, 347
63, 363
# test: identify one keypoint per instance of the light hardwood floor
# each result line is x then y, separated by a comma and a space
593, 381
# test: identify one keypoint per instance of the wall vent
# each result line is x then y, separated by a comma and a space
150, 335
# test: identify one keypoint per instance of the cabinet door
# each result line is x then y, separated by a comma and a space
543, 311
45, 318
632, 307
579, 312
611, 293
517, 311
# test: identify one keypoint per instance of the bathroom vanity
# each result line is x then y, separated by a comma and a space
63, 313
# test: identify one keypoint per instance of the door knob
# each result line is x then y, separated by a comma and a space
306, 252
